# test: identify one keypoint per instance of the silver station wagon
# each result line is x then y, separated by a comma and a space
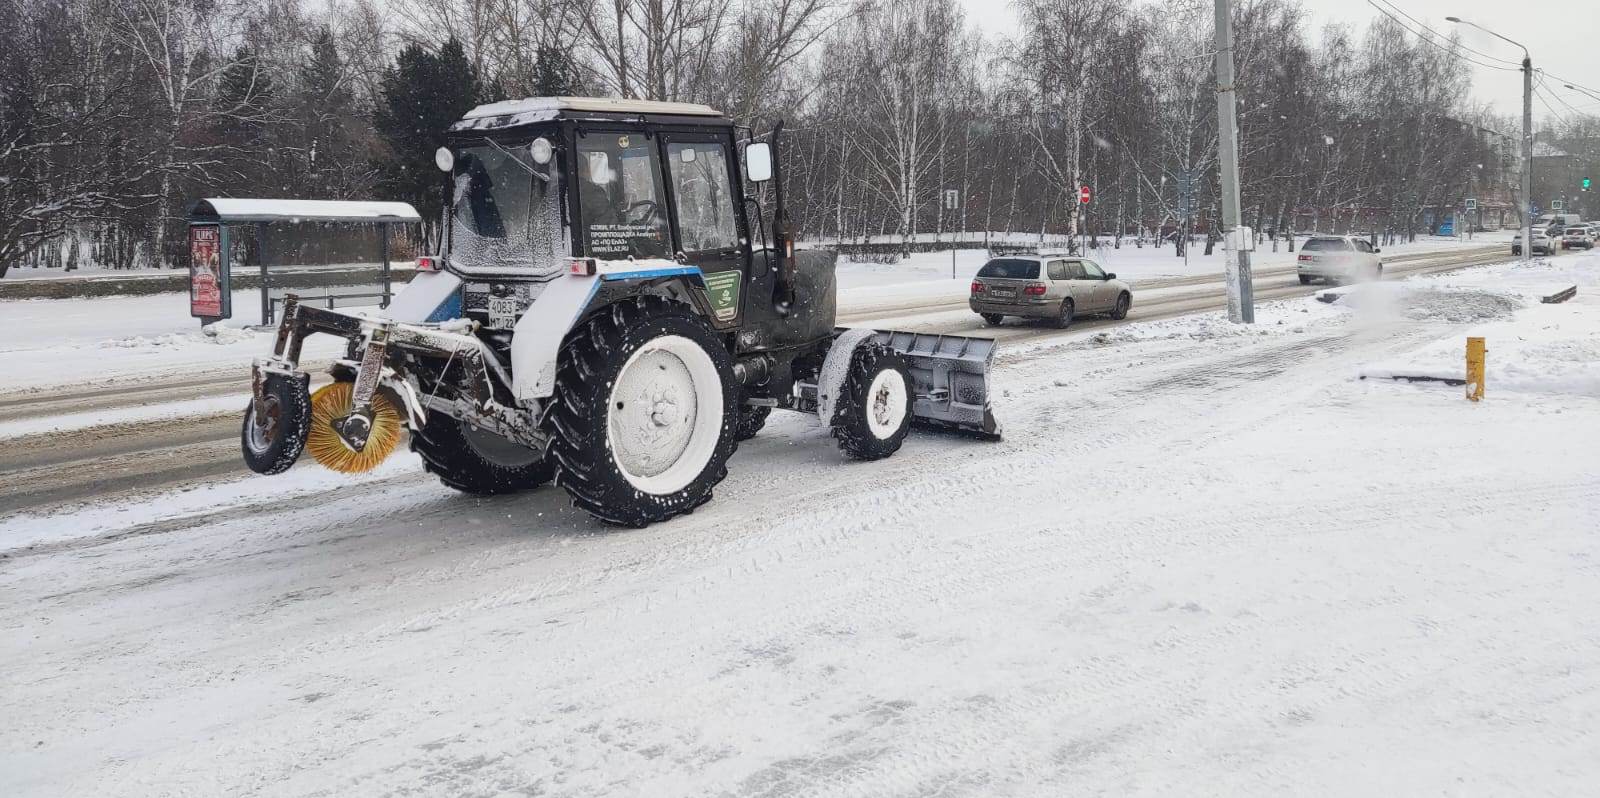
1057, 288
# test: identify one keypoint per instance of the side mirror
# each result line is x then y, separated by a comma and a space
1376, 249
758, 162
1111, 275
444, 159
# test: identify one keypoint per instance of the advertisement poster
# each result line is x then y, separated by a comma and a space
208, 283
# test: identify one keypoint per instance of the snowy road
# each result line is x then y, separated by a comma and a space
92, 440
1204, 561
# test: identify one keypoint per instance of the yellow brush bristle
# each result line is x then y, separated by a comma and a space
332, 401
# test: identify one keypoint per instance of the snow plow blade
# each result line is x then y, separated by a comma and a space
951, 373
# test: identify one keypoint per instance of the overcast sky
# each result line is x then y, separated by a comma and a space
1562, 35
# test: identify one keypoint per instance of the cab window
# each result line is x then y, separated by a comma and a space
704, 196
1092, 272
622, 209
1058, 270
1075, 270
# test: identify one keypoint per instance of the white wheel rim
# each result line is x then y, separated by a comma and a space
664, 415
886, 404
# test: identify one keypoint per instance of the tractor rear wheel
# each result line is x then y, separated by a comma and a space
874, 411
645, 412
477, 461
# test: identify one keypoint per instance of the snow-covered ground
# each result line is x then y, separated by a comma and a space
1205, 560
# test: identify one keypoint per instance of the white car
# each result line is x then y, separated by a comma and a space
1542, 243
1338, 259
1577, 237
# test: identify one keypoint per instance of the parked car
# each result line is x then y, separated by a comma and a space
1336, 259
1577, 237
1542, 243
1058, 288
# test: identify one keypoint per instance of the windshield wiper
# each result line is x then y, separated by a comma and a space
513, 157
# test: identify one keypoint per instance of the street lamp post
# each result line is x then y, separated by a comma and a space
1527, 137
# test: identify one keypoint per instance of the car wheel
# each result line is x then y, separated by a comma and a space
992, 319
1124, 302
1063, 319
1305, 279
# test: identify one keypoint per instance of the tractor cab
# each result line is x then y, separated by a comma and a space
536, 183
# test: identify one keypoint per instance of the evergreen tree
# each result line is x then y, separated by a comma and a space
422, 94
331, 149
555, 74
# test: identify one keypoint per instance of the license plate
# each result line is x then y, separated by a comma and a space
1003, 293
503, 312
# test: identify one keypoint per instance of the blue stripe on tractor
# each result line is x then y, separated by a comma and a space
447, 310
691, 271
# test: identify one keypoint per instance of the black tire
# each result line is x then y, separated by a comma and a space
1305, 279
751, 419
1124, 303
992, 319
275, 446
593, 358
1063, 318
477, 461
860, 435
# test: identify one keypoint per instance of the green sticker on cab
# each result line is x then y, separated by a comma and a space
723, 289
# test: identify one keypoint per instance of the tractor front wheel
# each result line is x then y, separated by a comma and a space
274, 439
645, 412
477, 461
874, 411
751, 419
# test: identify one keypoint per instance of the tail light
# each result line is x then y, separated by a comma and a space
977, 287
1033, 289
429, 263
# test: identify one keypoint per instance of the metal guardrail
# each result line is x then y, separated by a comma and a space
383, 298
1560, 296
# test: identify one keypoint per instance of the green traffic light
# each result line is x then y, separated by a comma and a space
1586, 184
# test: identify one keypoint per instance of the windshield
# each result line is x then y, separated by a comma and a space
1326, 245
1011, 269
504, 217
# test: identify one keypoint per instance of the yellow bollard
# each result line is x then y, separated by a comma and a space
1475, 353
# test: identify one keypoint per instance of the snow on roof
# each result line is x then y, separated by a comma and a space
603, 104
236, 209
530, 110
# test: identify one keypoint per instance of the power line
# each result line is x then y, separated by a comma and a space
1455, 42
1450, 50
1539, 91
1573, 82
1555, 94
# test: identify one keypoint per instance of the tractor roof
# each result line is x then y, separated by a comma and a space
531, 110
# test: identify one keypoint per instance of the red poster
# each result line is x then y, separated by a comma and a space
205, 271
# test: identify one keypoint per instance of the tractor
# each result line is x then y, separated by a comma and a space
605, 310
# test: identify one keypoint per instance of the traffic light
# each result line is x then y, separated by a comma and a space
1586, 184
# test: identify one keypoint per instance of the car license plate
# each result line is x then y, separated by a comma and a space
503, 312
1004, 293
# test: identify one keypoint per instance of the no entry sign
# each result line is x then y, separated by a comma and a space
1083, 195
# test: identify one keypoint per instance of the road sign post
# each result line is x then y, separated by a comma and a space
952, 201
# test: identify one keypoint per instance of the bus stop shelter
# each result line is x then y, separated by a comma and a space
210, 253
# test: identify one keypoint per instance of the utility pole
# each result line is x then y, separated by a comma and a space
1241, 301
1527, 137
1527, 157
